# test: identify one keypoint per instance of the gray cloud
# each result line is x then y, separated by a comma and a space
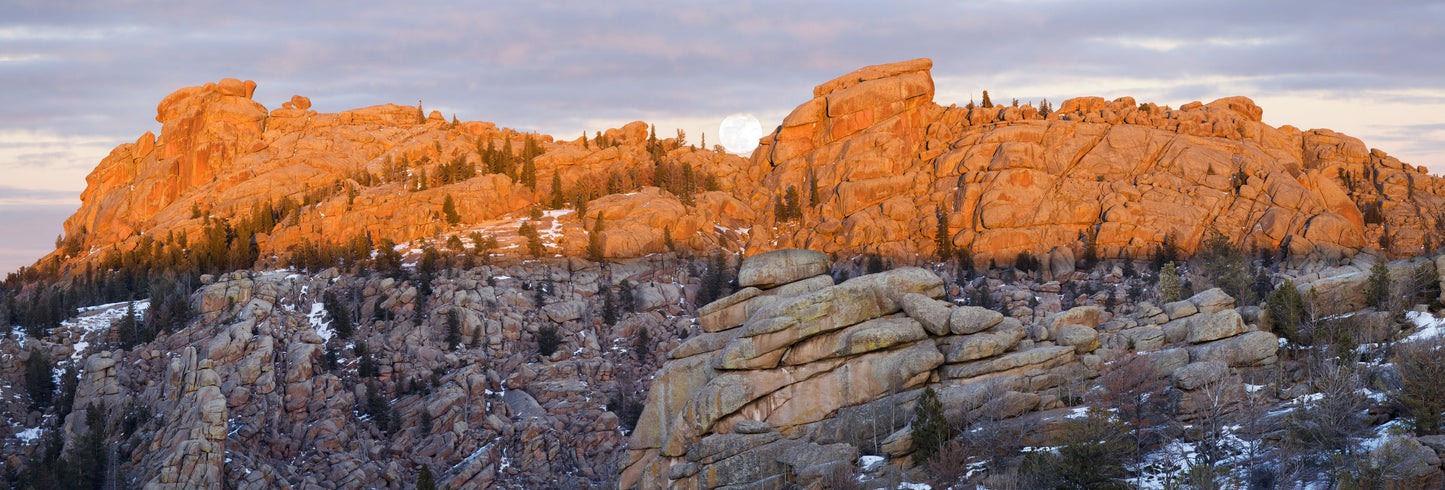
101, 69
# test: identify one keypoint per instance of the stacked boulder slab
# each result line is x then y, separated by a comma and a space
795, 377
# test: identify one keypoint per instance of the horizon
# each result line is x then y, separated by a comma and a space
82, 79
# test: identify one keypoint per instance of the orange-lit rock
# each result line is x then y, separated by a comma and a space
872, 158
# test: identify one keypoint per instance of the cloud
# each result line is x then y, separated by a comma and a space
12, 196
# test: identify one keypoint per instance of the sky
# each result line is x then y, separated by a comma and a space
78, 78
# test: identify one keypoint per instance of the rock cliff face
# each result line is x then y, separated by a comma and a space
796, 376
357, 172
265, 390
875, 164
885, 162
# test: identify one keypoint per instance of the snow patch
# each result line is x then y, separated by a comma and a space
28, 435
1430, 327
320, 322
98, 320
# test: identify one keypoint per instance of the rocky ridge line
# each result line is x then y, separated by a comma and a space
873, 160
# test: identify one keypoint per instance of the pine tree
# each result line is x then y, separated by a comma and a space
376, 406
88, 460
424, 480
449, 209
982, 297
625, 296
642, 345
454, 329
594, 241
547, 340
812, 187
928, 427
505, 159
365, 368
1091, 250
128, 331
667, 239
943, 239
529, 174
1286, 311
1377, 290
609, 307
986, 102
340, 315
39, 382
1226, 267
791, 206
715, 281
558, 200
875, 264
1169, 287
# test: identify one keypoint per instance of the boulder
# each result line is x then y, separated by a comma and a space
811, 463
1195, 375
1250, 349
868, 336
1405, 458
671, 388
1166, 361
702, 343
997, 340
1180, 309
779, 267
1087, 316
1083, 339
565, 311
746, 466
1212, 300
932, 314
1221, 324
728, 312
965, 320
1144, 339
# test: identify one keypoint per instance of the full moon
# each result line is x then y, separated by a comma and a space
740, 133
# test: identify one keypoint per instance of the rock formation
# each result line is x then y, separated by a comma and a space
873, 161
885, 162
797, 376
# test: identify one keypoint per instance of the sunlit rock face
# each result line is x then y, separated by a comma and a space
872, 163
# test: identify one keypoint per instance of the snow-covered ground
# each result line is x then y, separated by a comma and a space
1430, 327
28, 435
93, 321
